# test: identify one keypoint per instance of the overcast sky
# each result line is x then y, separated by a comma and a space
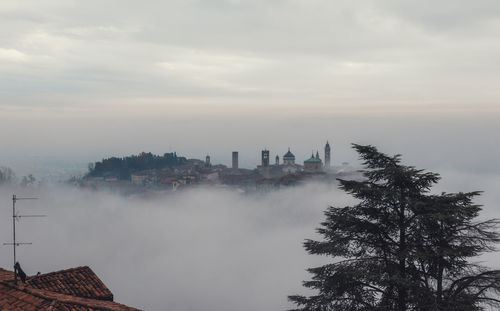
83, 80
100, 55
90, 79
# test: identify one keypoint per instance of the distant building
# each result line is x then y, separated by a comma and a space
170, 183
277, 163
327, 156
313, 164
265, 158
289, 163
207, 161
235, 160
289, 158
138, 179
264, 167
212, 177
71, 289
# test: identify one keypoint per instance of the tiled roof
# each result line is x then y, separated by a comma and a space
29, 299
76, 289
6, 274
311, 160
79, 282
14, 299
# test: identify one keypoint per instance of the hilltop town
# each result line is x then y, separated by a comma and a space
170, 172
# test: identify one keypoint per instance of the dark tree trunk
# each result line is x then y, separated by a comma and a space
402, 264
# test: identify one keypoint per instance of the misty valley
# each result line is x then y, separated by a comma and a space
223, 239
243, 155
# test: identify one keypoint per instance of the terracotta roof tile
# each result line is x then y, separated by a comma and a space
76, 289
79, 282
6, 275
20, 298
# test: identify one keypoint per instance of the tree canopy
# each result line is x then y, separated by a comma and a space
7, 175
123, 167
401, 247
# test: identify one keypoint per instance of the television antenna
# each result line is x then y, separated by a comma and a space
16, 217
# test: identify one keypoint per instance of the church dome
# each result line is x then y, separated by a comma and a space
288, 154
312, 159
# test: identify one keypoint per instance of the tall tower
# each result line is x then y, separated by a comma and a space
327, 155
265, 158
207, 161
277, 160
235, 160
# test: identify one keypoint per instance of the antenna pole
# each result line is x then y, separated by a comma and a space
14, 218
14, 233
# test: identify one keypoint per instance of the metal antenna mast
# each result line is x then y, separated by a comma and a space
14, 218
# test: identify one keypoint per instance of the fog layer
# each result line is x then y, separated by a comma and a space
202, 249
196, 250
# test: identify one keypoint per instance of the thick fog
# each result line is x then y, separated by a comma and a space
201, 249
216, 249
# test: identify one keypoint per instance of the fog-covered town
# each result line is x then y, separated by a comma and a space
223, 155
170, 172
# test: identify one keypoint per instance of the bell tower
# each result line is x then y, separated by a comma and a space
265, 158
327, 155
235, 160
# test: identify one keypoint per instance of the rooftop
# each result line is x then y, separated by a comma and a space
76, 289
288, 154
79, 282
312, 159
6, 275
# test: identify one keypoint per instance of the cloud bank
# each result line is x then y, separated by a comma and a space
210, 249
235, 52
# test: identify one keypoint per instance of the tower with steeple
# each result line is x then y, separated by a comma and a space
327, 155
265, 158
207, 161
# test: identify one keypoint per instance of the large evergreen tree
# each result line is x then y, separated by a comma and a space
401, 248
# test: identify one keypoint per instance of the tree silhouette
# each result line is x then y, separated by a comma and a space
400, 247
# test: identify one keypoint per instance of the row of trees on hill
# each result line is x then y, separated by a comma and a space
8, 177
123, 167
401, 247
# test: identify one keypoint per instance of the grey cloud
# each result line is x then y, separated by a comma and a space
315, 50
447, 16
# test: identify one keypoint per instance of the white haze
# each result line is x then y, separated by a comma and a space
458, 141
202, 249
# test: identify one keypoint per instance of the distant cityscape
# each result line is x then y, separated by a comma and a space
170, 172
